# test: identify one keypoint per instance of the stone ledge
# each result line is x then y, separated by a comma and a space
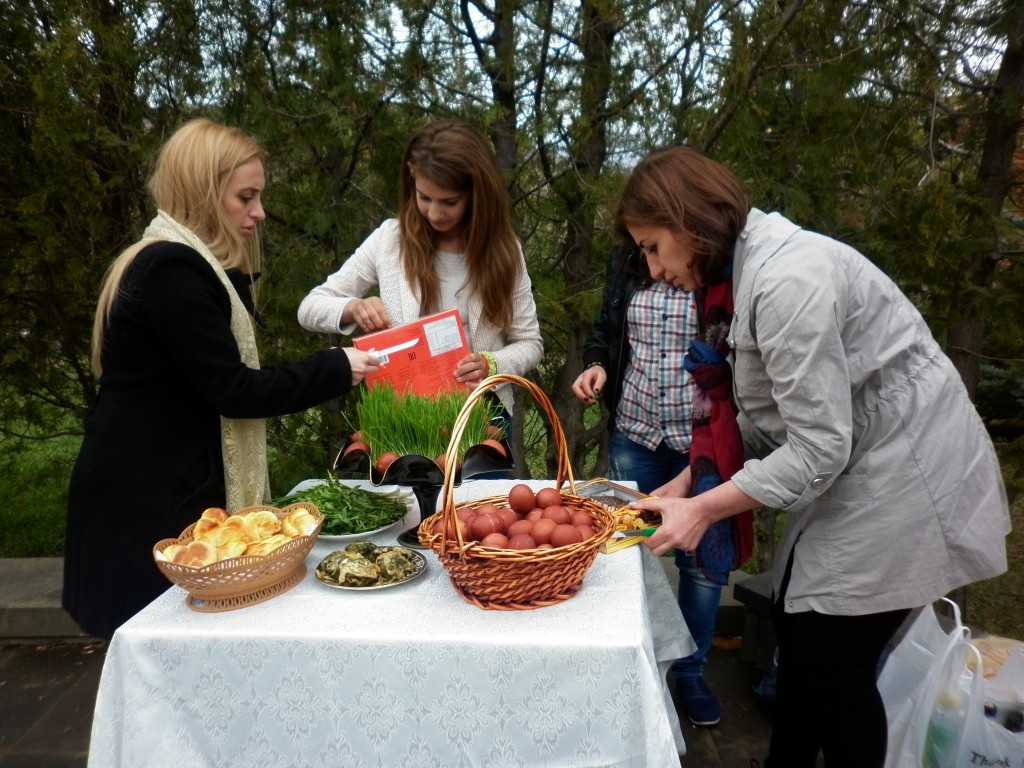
30, 603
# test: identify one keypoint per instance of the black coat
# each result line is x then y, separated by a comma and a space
151, 461
608, 343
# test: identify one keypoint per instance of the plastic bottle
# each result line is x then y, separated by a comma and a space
943, 727
1014, 722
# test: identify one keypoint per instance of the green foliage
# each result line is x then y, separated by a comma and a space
34, 469
856, 120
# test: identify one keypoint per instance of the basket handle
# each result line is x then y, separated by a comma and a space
564, 471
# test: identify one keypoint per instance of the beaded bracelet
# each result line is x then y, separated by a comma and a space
492, 363
593, 363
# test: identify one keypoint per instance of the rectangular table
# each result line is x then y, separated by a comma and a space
411, 675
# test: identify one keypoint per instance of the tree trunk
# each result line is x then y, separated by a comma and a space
969, 309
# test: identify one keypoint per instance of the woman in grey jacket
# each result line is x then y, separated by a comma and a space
864, 435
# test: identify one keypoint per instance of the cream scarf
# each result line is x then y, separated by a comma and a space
243, 441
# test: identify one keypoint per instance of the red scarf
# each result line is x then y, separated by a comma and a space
716, 448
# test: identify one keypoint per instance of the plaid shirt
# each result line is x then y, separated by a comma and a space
656, 391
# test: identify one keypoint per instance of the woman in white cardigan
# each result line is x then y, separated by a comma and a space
452, 245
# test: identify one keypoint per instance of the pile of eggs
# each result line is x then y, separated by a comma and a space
530, 521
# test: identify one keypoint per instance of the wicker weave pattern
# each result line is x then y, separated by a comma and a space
509, 579
241, 581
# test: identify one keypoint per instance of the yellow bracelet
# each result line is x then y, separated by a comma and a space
492, 363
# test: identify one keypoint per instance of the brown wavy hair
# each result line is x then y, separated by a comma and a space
692, 196
454, 155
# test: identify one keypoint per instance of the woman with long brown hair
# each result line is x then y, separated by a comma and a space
856, 424
451, 245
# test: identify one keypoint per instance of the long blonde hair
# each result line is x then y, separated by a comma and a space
188, 183
454, 155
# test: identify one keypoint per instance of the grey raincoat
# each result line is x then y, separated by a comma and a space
864, 432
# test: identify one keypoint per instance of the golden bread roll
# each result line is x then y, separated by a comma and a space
263, 522
237, 528
194, 554
231, 549
211, 519
167, 554
267, 545
220, 536
299, 523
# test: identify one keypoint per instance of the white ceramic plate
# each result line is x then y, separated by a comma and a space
419, 561
342, 538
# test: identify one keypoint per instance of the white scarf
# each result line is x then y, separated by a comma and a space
243, 441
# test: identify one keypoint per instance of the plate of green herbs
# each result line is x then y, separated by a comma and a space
352, 511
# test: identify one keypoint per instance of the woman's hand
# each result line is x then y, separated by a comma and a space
588, 384
682, 525
684, 520
368, 314
471, 370
361, 363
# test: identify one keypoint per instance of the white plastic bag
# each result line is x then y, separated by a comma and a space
985, 741
936, 705
910, 680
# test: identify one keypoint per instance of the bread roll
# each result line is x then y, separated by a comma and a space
299, 523
263, 522
267, 545
220, 536
237, 528
194, 554
231, 549
211, 519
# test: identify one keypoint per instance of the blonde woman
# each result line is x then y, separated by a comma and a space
178, 423
452, 245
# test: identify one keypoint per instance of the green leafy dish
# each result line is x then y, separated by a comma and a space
350, 511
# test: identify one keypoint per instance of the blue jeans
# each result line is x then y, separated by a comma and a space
698, 596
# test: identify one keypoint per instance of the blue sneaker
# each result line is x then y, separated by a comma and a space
698, 702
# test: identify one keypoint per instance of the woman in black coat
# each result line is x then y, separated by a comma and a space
178, 423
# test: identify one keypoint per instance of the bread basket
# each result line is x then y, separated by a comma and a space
246, 580
509, 579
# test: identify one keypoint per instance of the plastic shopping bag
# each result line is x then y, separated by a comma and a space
960, 720
910, 680
994, 710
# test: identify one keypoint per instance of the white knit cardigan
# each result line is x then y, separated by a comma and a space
376, 262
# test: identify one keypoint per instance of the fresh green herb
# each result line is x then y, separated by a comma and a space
348, 510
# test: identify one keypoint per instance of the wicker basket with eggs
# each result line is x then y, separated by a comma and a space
501, 578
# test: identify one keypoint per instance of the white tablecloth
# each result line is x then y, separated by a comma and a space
407, 676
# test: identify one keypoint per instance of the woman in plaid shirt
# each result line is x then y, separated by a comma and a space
634, 359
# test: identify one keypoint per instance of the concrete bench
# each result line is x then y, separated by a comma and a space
758, 644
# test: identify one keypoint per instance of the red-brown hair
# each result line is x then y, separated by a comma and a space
691, 195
